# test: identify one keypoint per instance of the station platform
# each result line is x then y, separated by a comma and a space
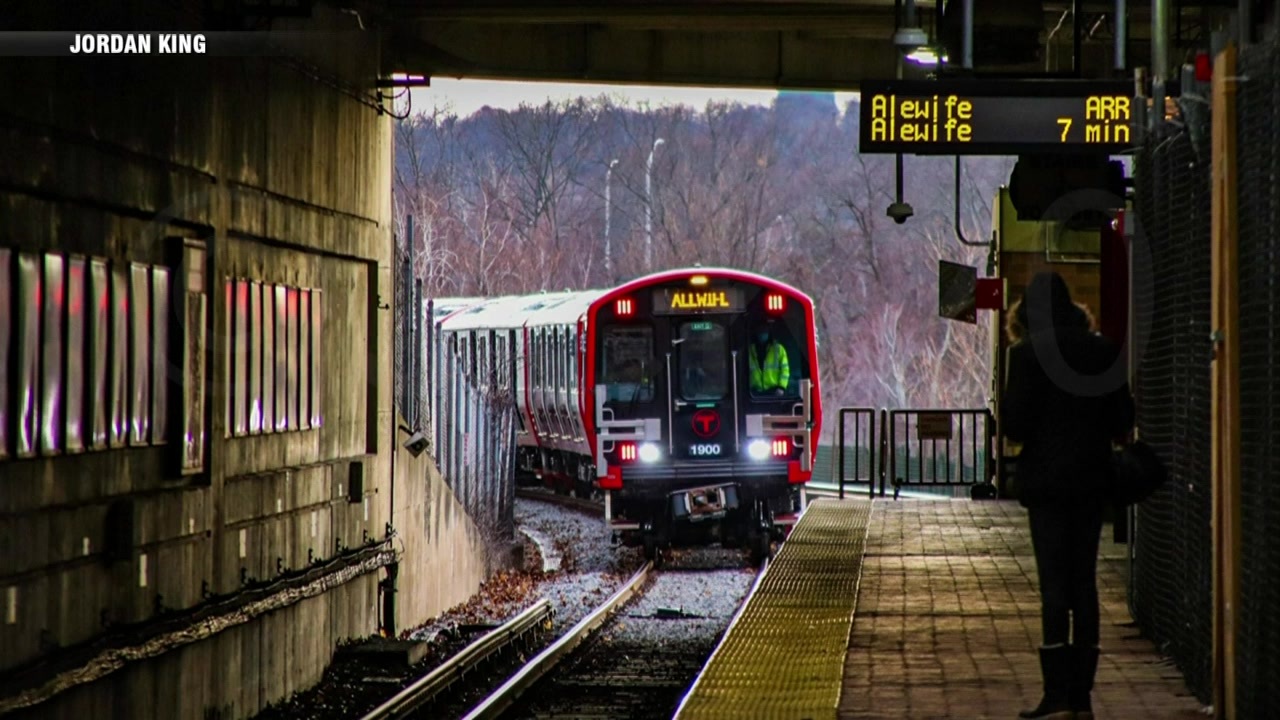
917, 609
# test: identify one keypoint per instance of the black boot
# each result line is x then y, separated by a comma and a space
1083, 669
1055, 668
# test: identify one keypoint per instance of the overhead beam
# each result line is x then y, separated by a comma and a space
788, 60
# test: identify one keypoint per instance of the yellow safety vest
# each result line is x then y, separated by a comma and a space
776, 372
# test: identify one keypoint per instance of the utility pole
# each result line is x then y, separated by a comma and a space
648, 207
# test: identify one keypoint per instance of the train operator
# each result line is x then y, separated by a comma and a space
773, 375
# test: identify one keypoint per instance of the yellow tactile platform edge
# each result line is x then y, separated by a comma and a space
784, 656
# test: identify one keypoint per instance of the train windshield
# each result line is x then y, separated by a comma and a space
627, 367
703, 366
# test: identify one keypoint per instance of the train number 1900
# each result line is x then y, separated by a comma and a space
708, 450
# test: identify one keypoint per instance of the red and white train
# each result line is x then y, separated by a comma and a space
645, 392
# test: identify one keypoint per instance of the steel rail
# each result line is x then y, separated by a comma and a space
502, 698
595, 507
428, 686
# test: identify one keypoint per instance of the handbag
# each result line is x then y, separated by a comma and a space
1137, 472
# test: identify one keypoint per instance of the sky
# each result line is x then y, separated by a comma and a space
467, 96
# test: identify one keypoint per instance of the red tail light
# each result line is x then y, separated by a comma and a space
780, 447
627, 452
624, 307
775, 303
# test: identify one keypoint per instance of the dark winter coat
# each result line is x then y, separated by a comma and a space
1065, 425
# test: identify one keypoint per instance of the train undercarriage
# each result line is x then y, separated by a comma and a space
658, 515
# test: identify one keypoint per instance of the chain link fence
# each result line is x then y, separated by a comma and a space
473, 422
1171, 587
1258, 212
470, 422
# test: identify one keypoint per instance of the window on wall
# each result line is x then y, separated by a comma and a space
194, 316
275, 333
52, 391
99, 357
77, 312
83, 352
7, 286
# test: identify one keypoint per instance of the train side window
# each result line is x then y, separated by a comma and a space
627, 364
569, 358
561, 337
535, 360
702, 360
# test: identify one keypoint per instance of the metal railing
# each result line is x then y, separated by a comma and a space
473, 426
951, 448
863, 452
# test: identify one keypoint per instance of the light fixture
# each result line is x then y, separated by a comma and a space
908, 38
758, 449
781, 447
927, 56
627, 451
698, 280
624, 307
649, 453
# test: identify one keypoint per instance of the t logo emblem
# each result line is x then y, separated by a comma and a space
706, 423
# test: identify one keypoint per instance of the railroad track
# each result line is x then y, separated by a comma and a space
638, 663
426, 689
594, 507
413, 700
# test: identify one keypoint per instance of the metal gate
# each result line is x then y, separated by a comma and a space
916, 447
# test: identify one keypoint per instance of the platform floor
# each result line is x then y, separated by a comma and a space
946, 624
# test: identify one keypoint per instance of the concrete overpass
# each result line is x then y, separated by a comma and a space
175, 540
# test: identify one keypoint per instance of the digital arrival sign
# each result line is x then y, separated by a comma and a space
995, 117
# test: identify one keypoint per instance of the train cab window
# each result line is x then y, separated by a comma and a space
627, 366
702, 360
775, 361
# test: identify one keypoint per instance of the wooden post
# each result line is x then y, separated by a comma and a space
1225, 396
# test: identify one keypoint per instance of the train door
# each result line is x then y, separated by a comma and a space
702, 387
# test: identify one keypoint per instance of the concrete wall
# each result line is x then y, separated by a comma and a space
447, 557
284, 179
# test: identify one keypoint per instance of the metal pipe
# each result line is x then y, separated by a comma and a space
1159, 44
960, 233
1121, 23
1076, 36
1244, 16
898, 166
967, 46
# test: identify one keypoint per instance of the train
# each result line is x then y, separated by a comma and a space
665, 395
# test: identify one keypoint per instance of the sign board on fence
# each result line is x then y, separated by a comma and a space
933, 426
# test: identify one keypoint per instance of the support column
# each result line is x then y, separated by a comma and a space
1225, 398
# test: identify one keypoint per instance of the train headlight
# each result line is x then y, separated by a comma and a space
649, 453
758, 449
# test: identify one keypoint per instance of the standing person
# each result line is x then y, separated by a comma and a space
770, 369
1059, 405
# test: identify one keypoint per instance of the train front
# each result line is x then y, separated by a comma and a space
703, 406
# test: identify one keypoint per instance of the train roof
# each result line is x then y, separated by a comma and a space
514, 311
566, 311
666, 276
445, 306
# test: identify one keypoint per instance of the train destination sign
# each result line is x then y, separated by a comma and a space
679, 301
976, 117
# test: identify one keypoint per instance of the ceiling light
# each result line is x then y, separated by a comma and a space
926, 56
